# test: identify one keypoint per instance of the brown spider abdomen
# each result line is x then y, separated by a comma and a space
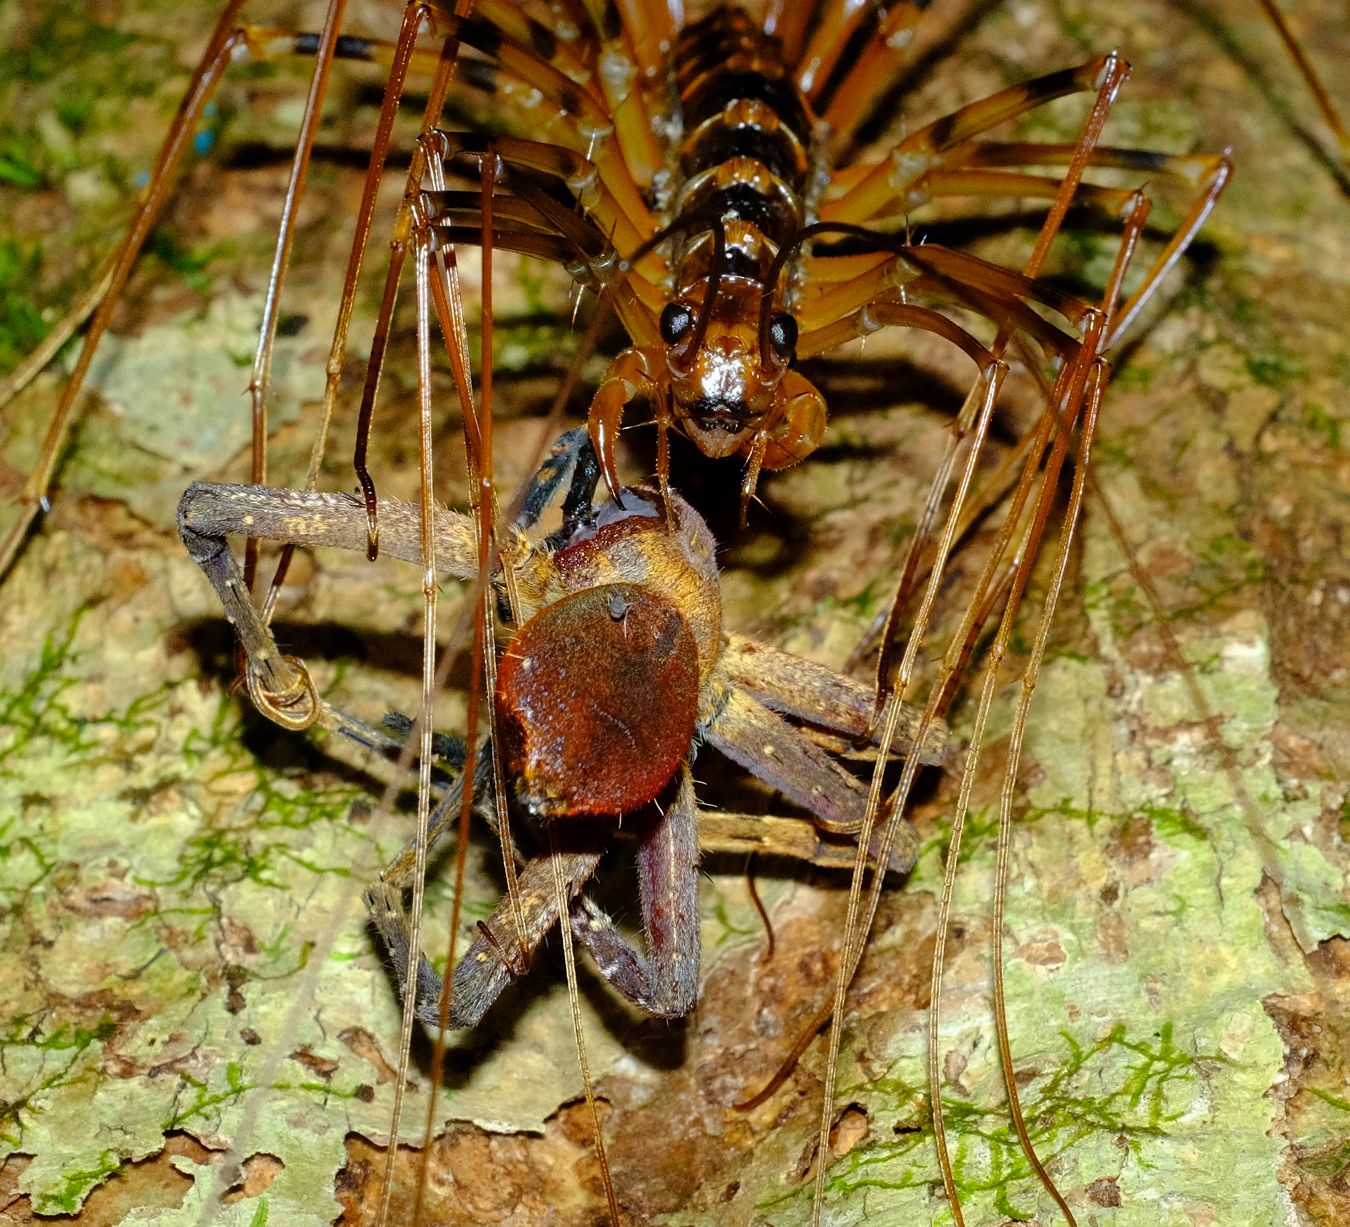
597, 697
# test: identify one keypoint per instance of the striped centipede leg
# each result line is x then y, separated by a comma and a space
533, 223
1206, 175
648, 27
870, 190
522, 162
849, 101
533, 80
1069, 411
230, 40
837, 23
549, 84
788, 22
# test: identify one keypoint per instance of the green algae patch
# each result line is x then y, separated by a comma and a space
192, 953
180, 885
1135, 984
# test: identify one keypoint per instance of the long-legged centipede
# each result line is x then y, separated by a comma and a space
1224, 345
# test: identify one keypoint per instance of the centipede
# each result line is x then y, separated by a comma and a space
860, 283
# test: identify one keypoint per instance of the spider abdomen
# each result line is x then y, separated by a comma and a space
598, 694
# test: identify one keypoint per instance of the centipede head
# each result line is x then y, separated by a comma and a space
725, 385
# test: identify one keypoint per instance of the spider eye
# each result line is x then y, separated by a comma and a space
783, 335
676, 321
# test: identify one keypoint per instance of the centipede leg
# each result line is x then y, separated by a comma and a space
788, 20
577, 173
951, 268
1062, 405
929, 275
225, 39
401, 61
544, 83
627, 66
835, 25
398, 246
867, 81
649, 29
871, 190
1321, 95
1208, 174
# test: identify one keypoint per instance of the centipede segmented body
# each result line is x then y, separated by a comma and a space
707, 243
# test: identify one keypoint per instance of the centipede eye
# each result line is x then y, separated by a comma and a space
676, 321
783, 335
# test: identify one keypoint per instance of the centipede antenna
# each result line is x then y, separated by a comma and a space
405, 50
260, 380
1320, 94
224, 39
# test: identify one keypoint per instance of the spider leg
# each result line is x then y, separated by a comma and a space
806, 691
794, 839
764, 744
865, 84
488, 965
208, 512
664, 981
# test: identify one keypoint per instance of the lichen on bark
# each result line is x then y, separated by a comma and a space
195, 993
